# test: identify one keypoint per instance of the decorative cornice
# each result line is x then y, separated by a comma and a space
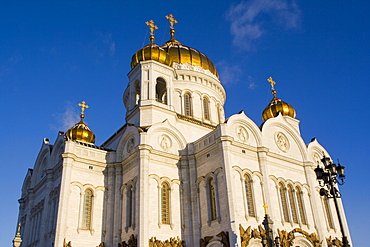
195, 121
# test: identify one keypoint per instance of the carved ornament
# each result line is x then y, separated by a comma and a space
286, 238
313, 238
172, 242
222, 237
247, 234
334, 242
282, 141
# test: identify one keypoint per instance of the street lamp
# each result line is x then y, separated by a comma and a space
328, 176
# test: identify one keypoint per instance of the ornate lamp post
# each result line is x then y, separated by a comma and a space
328, 177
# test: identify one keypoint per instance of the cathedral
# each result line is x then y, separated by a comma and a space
178, 172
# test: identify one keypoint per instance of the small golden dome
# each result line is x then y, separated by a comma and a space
80, 131
277, 106
183, 54
151, 52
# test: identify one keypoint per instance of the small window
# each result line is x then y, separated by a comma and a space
212, 198
187, 104
300, 206
327, 212
165, 203
206, 108
249, 195
292, 204
87, 207
129, 206
284, 203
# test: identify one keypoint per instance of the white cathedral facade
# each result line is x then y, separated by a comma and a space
178, 173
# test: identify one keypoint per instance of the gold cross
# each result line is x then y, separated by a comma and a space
151, 27
172, 20
272, 83
264, 205
83, 106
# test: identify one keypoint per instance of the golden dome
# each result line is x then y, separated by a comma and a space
277, 106
150, 52
80, 131
171, 52
183, 54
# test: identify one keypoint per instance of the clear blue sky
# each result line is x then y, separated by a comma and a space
54, 54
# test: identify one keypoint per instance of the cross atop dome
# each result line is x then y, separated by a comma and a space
83, 106
172, 20
152, 27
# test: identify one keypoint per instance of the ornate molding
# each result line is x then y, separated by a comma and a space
313, 238
132, 242
333, 242
172, 242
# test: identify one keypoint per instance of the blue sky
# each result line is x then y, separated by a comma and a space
54, 54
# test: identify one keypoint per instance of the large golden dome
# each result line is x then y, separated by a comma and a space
277, 106
172, 52
80, 131
151, 52
183, 54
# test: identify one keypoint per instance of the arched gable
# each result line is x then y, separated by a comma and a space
165, 137
128, 141
41, 162
243, 129
282, 138
316, 152
56, 153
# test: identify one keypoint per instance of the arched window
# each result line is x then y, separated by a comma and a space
137, 92
130, 206
165, 203
87, 208
327, 212
300, 206
292, 204
212, 198
284, 203
206, 108
187, 105
161, 91
249, 195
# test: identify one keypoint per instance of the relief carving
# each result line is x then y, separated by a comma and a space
165, 142
172, 242
242, 134
130, 145
317, 159
282, 142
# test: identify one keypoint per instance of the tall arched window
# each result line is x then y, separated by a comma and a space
137, 92
212, 198
165, 203
206, 108
292, 204
161, 91
284, 203
249, 195
187, 104
87, 208
327, 212
300, 206
129, 206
